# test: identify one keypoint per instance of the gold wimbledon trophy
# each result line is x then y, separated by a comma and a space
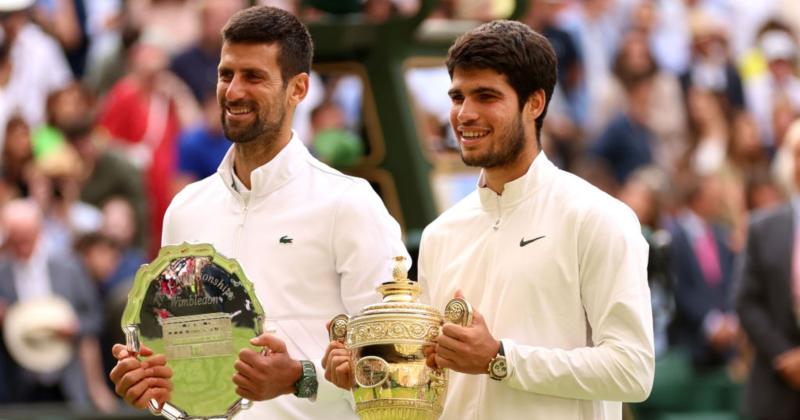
196, 307
386, 341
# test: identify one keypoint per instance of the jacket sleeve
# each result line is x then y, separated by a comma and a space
365, 240
618, 362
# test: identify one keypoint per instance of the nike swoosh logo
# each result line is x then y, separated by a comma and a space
523, 242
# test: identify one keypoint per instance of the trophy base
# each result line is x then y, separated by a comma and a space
401, 409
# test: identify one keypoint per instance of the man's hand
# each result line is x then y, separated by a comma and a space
137, 382
464, 349
725, 335
338, 369
788, 365
266, 375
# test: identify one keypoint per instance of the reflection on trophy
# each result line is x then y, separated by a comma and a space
386, 341
197, 308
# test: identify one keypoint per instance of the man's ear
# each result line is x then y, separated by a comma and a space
297, 88
534, 106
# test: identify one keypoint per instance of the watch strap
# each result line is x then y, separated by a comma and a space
306, 386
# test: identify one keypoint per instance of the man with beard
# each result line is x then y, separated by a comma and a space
555, 269
313, 241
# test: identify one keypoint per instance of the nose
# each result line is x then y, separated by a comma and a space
235, 89
466, 112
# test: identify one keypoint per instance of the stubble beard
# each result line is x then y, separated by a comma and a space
260, 128
508, 152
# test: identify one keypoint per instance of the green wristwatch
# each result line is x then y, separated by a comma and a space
306, 386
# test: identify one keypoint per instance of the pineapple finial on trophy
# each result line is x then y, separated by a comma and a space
400, 271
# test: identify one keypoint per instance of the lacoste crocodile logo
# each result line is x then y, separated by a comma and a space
285, 239
523, 242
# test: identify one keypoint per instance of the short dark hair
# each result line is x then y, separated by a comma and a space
514, 50
267, 25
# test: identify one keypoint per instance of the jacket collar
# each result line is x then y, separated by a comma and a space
272, 175
539, 173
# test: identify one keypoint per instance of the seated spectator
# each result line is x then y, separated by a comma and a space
32, 271
106, 174
627, 143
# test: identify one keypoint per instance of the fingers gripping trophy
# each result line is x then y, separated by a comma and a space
381, 352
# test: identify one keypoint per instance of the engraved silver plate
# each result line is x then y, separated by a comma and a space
196, 307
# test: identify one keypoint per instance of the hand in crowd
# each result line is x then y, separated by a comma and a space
464, 349
268, 374
788, 365
139, 381
338, 369
726, 333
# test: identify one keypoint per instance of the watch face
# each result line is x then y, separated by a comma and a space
498, 368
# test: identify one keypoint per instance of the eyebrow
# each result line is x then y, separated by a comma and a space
477, 91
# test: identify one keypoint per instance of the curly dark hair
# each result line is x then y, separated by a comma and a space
514, 50
267, 25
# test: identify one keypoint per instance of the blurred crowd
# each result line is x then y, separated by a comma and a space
687, 110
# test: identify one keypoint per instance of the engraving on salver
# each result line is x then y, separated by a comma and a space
196, 336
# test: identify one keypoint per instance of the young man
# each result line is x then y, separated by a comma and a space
313, 241
555, 269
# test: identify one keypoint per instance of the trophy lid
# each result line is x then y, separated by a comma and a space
400, 296
400, 289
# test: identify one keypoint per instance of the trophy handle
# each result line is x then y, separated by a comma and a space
337, 331
168, 411
132, 342
458, 311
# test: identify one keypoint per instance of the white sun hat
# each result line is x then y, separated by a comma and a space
29, 332
14, 5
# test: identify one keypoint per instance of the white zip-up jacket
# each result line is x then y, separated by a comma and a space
313, 241
559, 271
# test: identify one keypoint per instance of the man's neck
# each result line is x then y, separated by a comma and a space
497, 178
252, 155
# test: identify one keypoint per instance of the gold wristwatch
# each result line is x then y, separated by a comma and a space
498, 367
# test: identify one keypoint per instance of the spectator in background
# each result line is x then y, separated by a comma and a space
100, 255
202, 145
66, 108
778, 89
119, 224
17, 156
197, 65
56, 188
711, 67
32, 271
597, 27
143, 114
745, 156
762, 191
106, 174
664, 110
628, 143
644, 193
541, 16
332, 142
65, 20
768, 303
35, 65
709, 118
705, 325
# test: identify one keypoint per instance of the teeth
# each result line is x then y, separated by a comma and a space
472, 134
238, 111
